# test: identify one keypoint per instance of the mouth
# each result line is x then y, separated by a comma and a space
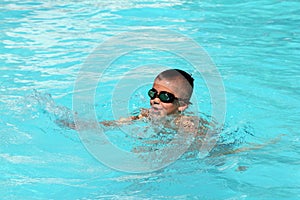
155, 109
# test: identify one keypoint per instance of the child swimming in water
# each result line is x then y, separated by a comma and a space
169, 96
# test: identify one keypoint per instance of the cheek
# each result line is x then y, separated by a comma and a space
170, 108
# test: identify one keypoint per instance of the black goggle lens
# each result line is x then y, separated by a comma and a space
165, 97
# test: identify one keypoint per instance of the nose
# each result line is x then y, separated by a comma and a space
156, 100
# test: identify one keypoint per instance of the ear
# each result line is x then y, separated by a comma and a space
182, 107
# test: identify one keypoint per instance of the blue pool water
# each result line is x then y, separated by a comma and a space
254, 45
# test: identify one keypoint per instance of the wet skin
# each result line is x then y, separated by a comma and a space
160, 108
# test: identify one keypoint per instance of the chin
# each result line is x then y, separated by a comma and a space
157, 112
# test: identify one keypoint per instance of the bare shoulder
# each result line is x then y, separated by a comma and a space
144, 113
193, 124
186, 123
191, 120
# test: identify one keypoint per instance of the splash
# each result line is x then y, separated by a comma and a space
38, 105
30, 116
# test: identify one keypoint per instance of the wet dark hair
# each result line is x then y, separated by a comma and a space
172, 73
187, 76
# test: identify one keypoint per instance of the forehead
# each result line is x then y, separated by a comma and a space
166, 85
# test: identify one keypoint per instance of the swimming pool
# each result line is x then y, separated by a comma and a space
255, 46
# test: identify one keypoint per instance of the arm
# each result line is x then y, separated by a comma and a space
126, 120
122, 121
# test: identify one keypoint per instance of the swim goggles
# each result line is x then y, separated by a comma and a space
165, 97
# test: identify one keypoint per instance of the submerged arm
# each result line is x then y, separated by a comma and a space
126, 120
108, 123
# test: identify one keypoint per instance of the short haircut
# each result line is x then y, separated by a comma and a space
187, 76
175, 73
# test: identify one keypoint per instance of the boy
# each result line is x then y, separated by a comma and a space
169, 97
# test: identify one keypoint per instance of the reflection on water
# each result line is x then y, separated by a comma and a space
255, 46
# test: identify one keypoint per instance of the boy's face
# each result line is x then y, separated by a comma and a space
159, 108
